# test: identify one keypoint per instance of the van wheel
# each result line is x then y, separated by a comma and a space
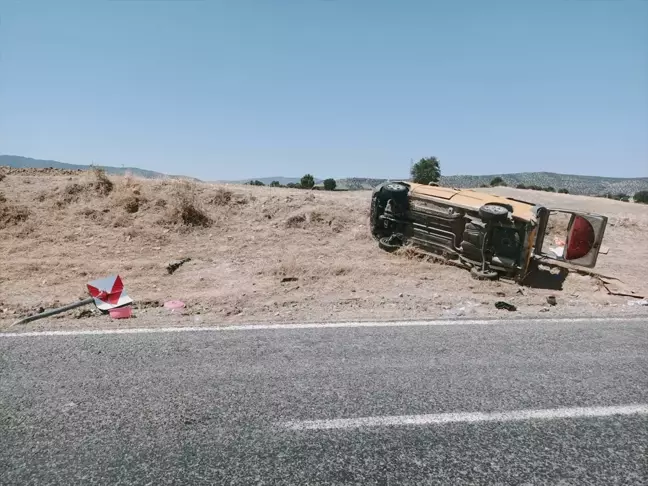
495, 212
394, 190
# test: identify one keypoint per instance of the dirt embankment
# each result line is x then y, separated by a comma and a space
257, 254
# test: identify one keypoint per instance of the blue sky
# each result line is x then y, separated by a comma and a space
233, 89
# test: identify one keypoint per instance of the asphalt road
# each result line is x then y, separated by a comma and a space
225, 407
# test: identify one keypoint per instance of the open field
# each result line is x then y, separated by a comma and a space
61, 229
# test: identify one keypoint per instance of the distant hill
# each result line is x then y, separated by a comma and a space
17, 161
575, 184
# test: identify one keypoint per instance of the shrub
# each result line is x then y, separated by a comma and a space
641, 197
131, 204
330, 184
296, 221
275, 184
256, 183
426, 170
563, 191
307, 182
497, 181
520, 186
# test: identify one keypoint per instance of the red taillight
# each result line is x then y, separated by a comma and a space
581, 239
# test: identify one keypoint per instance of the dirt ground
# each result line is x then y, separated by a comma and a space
260, 254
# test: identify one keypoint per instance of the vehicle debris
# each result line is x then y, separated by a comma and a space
642, 302
493, 236
174, 305
289, 279
173, 266
501, 305
125, 312
551, 300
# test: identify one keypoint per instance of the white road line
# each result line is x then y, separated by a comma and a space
470, 417
315, 325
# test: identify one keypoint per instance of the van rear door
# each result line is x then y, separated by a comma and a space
574, 237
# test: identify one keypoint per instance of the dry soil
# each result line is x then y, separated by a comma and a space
260, 254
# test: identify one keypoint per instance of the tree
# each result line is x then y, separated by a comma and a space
330, 184
256, 183
307, 182
550, 189
641, 197
292, 185
275, 184
520, 186
563, 191
426, 170
497, 181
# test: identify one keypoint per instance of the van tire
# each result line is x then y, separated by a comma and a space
495, 212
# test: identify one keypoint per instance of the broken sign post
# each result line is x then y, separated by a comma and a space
107, 293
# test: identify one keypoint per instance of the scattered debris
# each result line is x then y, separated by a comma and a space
551, 300
617, 287
106, 293
173, 266
289, 279
109, 293
174, 304
505, 306
642, 302
544, 309
121, 312
500, 294
521, 291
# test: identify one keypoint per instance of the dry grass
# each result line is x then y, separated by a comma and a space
222, 197
187, 208
10, 214
102, 184
258, 253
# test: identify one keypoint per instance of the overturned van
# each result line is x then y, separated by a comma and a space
491, 235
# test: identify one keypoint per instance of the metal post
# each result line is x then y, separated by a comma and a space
53, 312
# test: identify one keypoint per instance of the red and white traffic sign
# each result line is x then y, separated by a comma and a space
108, 293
